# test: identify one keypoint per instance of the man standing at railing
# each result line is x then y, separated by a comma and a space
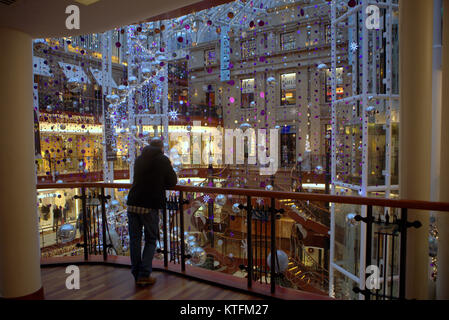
153, 175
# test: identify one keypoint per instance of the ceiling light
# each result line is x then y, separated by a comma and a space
86, 2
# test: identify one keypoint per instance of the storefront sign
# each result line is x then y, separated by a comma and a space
225, 52
288, 81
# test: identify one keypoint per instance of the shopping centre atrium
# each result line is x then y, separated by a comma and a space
314, 129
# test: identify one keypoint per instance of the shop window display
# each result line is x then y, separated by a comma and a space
288, 89
340, 85
247, 92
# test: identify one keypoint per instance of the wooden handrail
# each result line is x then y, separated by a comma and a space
392, 203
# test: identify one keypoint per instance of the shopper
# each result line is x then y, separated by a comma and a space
153, 175
57, 215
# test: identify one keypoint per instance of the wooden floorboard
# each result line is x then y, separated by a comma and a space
102, 282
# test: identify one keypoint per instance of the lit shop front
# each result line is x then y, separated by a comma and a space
56, 207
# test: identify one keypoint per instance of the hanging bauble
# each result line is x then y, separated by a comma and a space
198, 256
370, 109
49, 108
73, 84
230, 15
67, 232
281, 261
245, 126
352, 3
269, 187
350, 219
235, 208
433, 246
62, 126
146, 73
321, 66
220, 200
271, 80
319, 170
132, 80
112, 98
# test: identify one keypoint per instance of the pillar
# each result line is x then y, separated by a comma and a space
415, 34
442, 285
19, 236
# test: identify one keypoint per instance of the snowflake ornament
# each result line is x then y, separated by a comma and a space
206, 198
173, 114
353, 46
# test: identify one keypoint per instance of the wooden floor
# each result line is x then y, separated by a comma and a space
99, 282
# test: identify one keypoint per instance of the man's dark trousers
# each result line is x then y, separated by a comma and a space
141, 263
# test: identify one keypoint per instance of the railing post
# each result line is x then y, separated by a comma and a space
103, 222
164, 230
368, 246
403, 253
249, 241
273, 246
181, 225
84, 205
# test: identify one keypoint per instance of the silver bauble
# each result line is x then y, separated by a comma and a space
281, 261
271, 80
122, 90
146, 73
220, 200
132, 80
73, 84
350, 219
198, 256
112, 98
67, 232
319, 170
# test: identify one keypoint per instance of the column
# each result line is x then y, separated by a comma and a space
442, 285
415, 34
19, 236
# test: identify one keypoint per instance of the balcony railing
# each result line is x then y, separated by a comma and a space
232, 233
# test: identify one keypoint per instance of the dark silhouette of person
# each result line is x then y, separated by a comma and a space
153, 175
